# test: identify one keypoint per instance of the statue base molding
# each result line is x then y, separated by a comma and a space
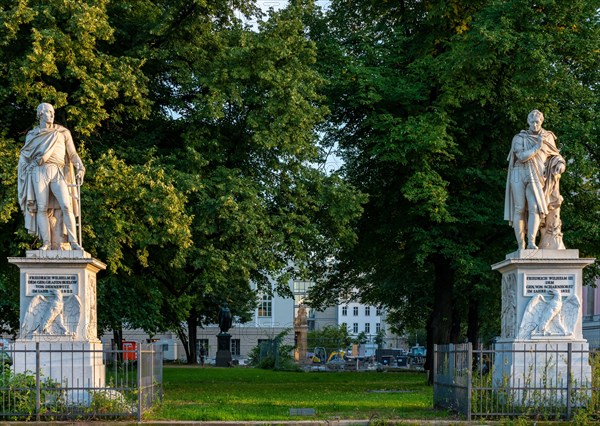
223, 357
58, 317
72, 364
541, 343
535, 372
300, 337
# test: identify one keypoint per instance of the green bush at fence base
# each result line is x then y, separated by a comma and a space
18, 395
19, 402
544, 402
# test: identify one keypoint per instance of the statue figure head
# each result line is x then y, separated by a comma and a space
45, 108
535, 120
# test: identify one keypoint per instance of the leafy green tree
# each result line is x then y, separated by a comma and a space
380, 338
262, 211
271, 354
199, 135
55, 51
425, 99
332, 338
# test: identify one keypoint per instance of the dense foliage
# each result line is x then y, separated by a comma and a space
199, 136
425, 99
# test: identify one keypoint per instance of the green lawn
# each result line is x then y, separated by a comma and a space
193, 393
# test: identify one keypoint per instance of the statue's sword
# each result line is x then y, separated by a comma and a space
78, 198
78, 181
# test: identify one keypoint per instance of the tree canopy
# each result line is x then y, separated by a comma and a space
203, 139
425, 98
200, 139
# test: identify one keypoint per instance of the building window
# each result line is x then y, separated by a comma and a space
378, 312
265, 306
367, 311
355, 328
302, 287
235, 347
344, 311
355, 311
377, 327
367, 328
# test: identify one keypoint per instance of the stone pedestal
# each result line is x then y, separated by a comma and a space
300, 353
541, 321
73, 364
58, 317
223, 358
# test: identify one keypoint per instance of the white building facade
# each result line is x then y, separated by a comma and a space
591, 315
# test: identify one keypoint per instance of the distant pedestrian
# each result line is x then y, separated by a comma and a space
202, 355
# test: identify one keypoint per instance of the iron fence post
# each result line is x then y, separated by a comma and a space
139, 380
115, 359
38, 397
469, 378
151, 375
434, 370
569, 379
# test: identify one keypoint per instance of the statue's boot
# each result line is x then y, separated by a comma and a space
519, 227
69, 220
43, 228
534, 226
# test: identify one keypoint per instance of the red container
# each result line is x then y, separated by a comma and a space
129, 351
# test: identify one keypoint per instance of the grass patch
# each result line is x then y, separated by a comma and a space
237, 394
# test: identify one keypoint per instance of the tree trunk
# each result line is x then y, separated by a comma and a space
193, 337
118, 338
182, 334
455, 330
118, 341
473, 322
439, 324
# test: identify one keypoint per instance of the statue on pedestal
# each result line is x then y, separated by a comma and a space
533, 197
225, 319
302, 317
47, 183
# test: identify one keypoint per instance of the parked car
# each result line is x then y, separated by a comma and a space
388, 360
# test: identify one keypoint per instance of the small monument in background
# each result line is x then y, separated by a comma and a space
58, 314
541, 286
223, 358
301, 335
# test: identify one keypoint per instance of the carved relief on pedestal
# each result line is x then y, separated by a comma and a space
550, 315
509, 305
51, 314
91, 314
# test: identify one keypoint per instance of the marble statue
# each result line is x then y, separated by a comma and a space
302, 317
49, 175
51, 314
533, 199
225, 318
550, 315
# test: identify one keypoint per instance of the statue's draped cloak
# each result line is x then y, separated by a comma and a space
38, 148
545, 184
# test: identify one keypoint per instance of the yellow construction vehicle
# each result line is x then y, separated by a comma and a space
319, 355
336, 355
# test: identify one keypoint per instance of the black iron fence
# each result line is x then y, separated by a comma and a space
62, 381
542, 381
